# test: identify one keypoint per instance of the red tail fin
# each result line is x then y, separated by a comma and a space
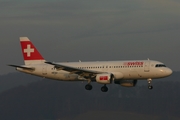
30, 53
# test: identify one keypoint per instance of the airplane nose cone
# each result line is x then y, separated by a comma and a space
169, 72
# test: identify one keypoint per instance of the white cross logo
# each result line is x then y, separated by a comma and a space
29, 50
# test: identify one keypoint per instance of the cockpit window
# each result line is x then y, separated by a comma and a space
160, 65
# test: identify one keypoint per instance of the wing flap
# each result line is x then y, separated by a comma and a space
73, 70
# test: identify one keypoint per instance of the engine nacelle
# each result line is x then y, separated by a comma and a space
126, 83
117, 75
104, 78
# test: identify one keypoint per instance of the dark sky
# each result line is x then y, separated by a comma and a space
68, 30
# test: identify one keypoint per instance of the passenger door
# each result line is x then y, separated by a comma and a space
147, 66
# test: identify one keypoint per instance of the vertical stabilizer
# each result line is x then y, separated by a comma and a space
30, 53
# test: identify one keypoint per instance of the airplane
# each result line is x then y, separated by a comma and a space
125, 73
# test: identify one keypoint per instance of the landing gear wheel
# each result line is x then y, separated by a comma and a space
104, 89
150, 87
88, 87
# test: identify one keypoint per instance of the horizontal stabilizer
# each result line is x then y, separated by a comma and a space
23, 67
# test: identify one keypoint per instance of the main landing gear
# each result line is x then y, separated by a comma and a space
149, 84
88, 87
104, 88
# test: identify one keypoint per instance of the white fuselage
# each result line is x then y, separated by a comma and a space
122, 70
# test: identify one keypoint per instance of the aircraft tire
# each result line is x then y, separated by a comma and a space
104, 89
88, 87
150, 87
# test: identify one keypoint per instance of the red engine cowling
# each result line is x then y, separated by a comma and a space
104, 78
126, 83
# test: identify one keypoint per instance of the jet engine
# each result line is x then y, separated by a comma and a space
126, 83
104, 78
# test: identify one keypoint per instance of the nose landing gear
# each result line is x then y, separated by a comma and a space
149, 84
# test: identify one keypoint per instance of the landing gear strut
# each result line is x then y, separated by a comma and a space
88, 86
149, 84
104, 88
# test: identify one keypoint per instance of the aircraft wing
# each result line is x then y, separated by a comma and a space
23, 67
73, 70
